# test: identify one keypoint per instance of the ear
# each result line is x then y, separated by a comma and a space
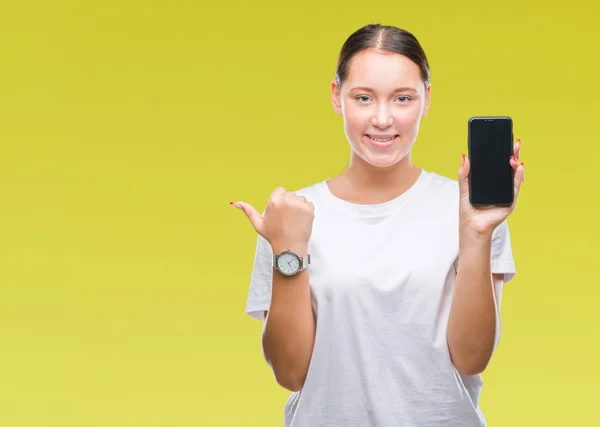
335, 97
427, 100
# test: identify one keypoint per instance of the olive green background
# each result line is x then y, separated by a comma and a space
126, 127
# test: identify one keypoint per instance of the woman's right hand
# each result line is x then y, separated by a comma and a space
287, 220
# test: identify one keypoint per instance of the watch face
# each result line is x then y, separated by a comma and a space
288, 263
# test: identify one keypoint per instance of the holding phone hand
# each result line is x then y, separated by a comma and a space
484, 220
287, 220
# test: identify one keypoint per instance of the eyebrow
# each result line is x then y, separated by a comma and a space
400, 89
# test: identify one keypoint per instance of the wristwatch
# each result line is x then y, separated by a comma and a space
288, 263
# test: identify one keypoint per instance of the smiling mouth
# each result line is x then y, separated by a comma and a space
382, 138
382, 141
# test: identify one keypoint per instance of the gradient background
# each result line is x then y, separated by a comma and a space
126, 127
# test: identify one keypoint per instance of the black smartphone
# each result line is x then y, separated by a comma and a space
491, 177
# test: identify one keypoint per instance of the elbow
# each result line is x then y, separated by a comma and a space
471, 371
290, 382
469, 368
470, 360
470, 363
285, 376
288, 372
288, 363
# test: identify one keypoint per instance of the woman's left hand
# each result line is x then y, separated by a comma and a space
483, 220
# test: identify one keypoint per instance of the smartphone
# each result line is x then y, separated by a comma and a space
491, 177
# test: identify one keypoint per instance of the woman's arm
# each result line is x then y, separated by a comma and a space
289, 329
474, 322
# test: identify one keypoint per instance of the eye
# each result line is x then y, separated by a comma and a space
362, 97
404, 99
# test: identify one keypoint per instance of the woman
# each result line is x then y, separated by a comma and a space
396, 313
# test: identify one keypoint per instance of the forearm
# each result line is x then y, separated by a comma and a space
472, 321
289, 331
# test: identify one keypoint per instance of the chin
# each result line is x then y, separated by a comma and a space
381, 160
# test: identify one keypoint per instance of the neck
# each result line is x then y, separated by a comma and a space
365, 176
362, 182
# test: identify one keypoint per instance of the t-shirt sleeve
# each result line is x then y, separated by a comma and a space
502, 256
259, 295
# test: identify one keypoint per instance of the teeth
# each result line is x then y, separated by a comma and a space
381, 140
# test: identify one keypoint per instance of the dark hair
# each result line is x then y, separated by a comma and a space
385, 38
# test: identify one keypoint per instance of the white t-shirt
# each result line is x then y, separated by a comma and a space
381, 279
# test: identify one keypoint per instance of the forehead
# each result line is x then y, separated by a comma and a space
381, 70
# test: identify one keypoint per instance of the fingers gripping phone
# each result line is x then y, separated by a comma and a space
491, 177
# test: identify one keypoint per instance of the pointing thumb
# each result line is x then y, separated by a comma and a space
255, 218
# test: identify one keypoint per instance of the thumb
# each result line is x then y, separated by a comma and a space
255, 218
463, 176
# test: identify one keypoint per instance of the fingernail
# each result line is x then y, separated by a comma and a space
522, 163
463, 160
518, 141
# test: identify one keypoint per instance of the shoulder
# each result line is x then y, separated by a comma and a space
441, 188
442, 182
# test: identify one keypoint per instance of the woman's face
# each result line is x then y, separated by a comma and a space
382, 101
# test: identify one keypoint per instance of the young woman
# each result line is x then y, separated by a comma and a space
382, 305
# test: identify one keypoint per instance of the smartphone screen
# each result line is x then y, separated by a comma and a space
490, 147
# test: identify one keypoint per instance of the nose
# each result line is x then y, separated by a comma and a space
382, 117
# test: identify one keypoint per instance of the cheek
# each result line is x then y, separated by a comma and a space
410, 112
409, 117
356, 118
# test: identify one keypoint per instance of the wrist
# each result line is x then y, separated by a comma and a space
476, 229
299, 248
474, 240
478, 234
